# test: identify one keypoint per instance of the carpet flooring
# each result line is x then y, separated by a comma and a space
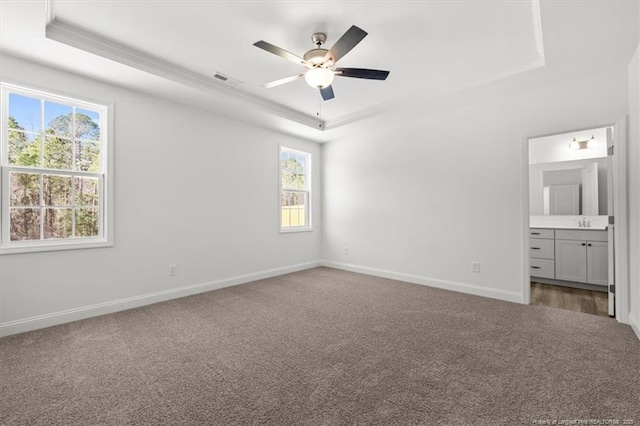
324, 347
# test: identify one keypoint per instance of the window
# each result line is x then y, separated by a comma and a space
295, 188
54, 172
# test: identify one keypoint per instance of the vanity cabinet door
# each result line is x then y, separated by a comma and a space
571, 260
597, 263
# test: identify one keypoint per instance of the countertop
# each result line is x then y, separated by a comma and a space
586, 228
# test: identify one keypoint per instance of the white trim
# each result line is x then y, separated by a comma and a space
635, 325
509, 296
50, 11
621, 226
44, 245
69, 315
524, 254
537, 27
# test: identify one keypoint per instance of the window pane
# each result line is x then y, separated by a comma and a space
87, 222
58, 153
24, 148
58, 119
24, 113
87, 124
292, 174
293, 206
87, 156
56, 190
87, 190
24, 224
57, 223
24, 189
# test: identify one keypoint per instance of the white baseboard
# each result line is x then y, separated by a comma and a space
635, 324
509, 296
61, 317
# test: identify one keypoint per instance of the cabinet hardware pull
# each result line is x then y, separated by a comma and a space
535, 267
535, 248
535, 233
589, 244
584, 244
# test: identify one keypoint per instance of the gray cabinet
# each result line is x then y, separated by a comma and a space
582, 256
571, 260
576, 255
541, 253
597, 263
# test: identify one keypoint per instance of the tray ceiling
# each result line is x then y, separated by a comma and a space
430, 48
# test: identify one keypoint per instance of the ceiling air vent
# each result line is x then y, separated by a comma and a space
226, 79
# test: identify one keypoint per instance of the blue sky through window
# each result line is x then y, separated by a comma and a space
27, 111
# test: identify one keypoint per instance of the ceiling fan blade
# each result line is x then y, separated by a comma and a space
327, 93
281, 52
348, 41
282, 81
362, 73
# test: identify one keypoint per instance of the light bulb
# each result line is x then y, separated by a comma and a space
319, 77
575, 145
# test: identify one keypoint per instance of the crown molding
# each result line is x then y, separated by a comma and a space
72, 35
49, 11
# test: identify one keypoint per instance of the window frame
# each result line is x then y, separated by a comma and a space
307, 190
105, 175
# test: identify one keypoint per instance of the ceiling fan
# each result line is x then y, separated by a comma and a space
320, 62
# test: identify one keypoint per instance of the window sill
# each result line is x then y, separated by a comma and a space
295, 230
17, 248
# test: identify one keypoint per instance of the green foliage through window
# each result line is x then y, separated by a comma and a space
55, 170
294, 198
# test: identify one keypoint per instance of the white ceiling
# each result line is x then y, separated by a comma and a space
432, 48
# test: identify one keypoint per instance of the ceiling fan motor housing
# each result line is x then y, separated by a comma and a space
315, 56
318, 38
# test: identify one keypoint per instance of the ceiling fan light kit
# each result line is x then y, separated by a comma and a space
320, 62
319, 78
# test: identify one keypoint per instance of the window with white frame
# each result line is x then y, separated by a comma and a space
54, 171
295, 190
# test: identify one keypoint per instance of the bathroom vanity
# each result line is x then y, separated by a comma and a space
569, 256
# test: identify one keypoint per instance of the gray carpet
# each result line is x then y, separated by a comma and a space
323, 347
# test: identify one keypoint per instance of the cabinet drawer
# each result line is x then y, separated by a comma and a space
543, 268
543, 249
541, 233
581, 235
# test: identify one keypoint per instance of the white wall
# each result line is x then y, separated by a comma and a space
634, 191
191, 189
426, 197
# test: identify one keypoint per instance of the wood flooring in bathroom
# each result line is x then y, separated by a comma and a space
572, 299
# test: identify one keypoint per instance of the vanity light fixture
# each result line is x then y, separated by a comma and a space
576, 144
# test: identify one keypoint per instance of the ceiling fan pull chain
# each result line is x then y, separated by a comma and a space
318, 104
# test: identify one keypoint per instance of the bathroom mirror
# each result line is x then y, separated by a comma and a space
577, 187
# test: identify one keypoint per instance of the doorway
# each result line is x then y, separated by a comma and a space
575, 242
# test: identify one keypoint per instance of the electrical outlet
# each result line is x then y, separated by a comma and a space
346, 251
173, 270
475, 266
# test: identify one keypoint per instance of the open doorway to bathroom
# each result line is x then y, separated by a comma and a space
571, 239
